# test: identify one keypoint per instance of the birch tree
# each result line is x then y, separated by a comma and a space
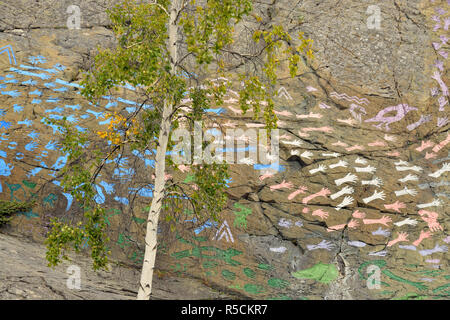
168, 50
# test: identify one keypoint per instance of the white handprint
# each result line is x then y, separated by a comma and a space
382, 253
341, 163
409, 177
375, 196
407, 221
307, 155
321, 168
344, 191
438, 173
348, 178
296, 143
334, 154
347, 201
374, 182
406, 191
389, 138
368, 169
360, 161
434, 203
413, 168
381, 232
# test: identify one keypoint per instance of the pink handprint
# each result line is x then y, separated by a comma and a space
396, 206
425, 145
321, 129
435, 226
393, 154
349, 121
283, 113
340, 144
442, 144
423, 235
402, 236
320, 213
322, 193
355, 147
383, 220
284, 184
353, 224
430, 217
302, 189
265, 176
377, 143
358, 214
337, 227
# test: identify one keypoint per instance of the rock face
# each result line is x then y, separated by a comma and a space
25, 275
357, 207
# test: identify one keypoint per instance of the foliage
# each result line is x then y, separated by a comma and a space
144, 59
9, 208
77, 179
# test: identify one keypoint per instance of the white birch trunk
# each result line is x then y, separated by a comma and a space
145, 285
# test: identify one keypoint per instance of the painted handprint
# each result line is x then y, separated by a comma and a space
402, 237
405, 191
347, 201
320, 213
307, 155
352, 225
374, 182
383, 220
354, 147
396, 206
368, 169
266, 175
407, 221
445, 168
431, 217
302, 189
358, 214
344, 191
322, 193
360, 161
409, 177
282, 185
424, 145
349, 121
434, 203
437, 248
423, 235
340, 163
321, 168
377, 143
375, 196
381, 232
348, 178
324, 244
